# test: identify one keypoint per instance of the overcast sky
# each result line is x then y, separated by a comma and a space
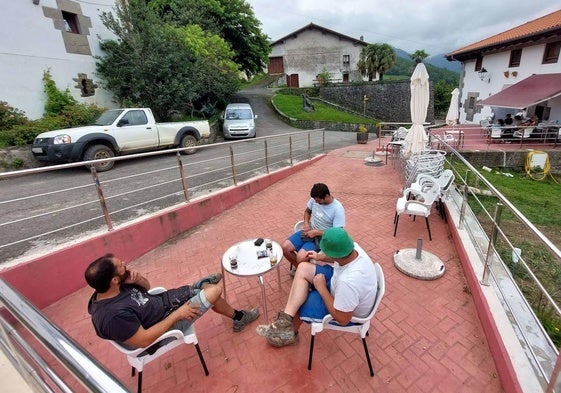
436, 26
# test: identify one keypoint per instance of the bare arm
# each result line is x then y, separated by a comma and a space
307, 217
137, 279
341, 317
144, 337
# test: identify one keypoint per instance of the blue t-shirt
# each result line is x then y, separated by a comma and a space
327, 216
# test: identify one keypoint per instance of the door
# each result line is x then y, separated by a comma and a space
135, 132
292, 80
276, 65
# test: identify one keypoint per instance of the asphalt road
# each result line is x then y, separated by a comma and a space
48, 210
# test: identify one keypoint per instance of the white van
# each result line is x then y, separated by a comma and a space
239, 121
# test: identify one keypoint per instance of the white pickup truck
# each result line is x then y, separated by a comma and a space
117, 132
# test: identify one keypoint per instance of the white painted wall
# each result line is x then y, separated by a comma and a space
30, 45
496, 65
312, 52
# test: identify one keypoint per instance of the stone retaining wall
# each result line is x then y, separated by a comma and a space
515, 159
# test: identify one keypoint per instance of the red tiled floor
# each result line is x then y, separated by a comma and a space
426, 336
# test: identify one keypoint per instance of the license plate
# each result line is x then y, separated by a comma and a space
37, 150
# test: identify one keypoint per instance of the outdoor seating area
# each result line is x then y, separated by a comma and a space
424, 336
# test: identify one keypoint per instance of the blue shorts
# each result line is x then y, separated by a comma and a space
302, 244
314, 309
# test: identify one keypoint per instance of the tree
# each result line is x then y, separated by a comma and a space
376, 58
164, 67
419, 55
442, 96
232, 20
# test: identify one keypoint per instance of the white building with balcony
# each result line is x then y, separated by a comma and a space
518, 69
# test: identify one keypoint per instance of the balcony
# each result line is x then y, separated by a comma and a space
448, 334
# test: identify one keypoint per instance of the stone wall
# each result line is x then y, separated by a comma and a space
387, 101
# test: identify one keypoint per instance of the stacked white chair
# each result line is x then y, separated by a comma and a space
445, 181
430, 162
417, 203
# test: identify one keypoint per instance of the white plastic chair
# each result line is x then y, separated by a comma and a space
139, 357
359, 325
445, 181
420, 206
523, 134
496, 134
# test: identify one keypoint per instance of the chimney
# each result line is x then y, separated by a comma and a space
361, 38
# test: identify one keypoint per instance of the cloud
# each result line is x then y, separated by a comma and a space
436, 26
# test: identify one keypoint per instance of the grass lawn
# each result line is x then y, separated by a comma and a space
291, 105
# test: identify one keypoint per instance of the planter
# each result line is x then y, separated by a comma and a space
361, 137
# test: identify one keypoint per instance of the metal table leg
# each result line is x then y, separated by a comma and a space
223, 281
261, 282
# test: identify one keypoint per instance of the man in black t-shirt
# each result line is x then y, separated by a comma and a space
122, 310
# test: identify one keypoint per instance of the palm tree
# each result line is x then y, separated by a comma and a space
376, 58
419, 54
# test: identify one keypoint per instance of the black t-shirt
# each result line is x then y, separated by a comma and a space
120, 317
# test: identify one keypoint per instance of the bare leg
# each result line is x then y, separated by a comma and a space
299, 290
212, 293
289, 252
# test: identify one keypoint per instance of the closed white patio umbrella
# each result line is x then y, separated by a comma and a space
417, 137
452, 116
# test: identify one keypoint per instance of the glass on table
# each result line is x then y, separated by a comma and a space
269, 244
273, 259
233, 260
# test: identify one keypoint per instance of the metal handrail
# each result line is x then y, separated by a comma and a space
90, 373
490, 254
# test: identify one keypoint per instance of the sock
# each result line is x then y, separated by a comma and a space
238, 315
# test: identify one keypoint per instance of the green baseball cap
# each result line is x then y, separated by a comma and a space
336, 243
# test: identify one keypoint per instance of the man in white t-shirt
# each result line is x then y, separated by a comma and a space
323, 211
342, 282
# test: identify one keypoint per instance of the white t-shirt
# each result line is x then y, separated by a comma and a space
327, 216
354, 286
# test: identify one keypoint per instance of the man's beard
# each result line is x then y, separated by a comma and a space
123, 277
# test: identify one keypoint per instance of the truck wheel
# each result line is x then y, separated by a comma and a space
97, 152
188, 141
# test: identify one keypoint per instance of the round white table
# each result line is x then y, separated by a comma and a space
250, 265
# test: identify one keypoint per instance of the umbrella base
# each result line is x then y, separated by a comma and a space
429, 267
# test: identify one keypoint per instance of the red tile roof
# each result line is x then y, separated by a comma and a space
537, 26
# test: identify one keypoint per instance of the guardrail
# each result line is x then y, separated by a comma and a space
513, 252
80, 206
87, 374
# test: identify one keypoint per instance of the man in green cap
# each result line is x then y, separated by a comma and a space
340, 280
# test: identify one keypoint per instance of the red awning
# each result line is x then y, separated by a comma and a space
528, 92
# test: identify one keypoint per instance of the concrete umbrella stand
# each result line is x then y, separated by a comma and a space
419, 264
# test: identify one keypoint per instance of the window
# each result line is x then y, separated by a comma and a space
515, 56
478, 63
135, 118
346, 59
551, 53
71, 22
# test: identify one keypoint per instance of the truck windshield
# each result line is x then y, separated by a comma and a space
107, 118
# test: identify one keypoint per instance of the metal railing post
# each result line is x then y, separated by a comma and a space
233, 166
464, 202
101, 198
554, 375
183, 179
266, 157
323, 142
290, 148
309, 146
492, 241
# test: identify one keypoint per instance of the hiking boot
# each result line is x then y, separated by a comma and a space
211, 279
279, 341
280, 332
248, 317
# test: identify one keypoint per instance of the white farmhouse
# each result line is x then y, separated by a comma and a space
518, 69
304, 56
61, 36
